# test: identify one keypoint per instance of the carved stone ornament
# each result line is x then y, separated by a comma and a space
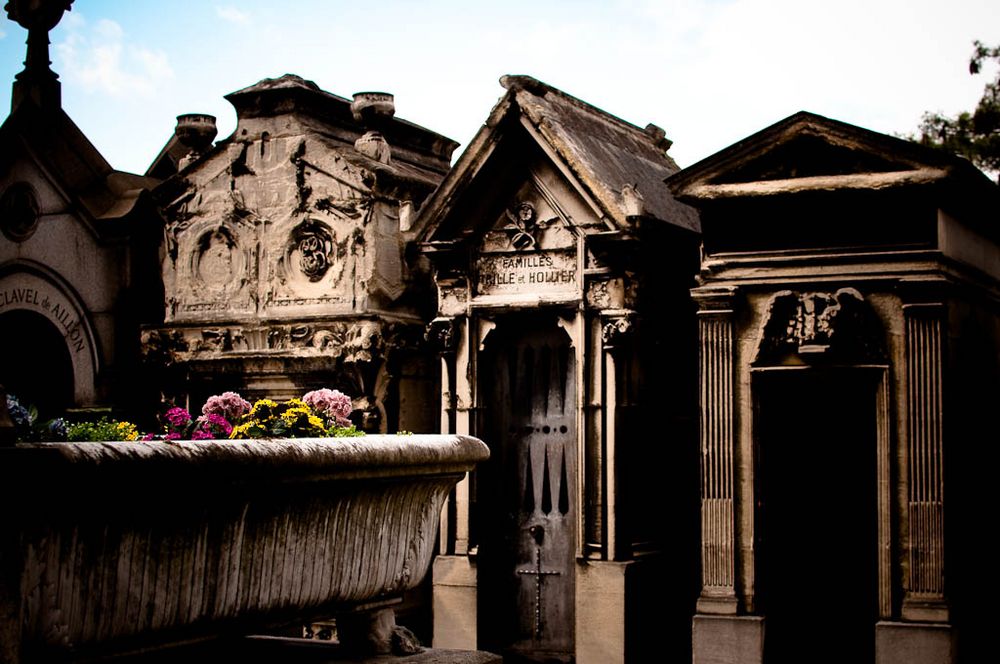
617, 332
216, 261
524, 226
840, 324
440, 334
19, 212
347, 341
311, 249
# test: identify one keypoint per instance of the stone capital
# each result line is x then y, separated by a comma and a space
715, 300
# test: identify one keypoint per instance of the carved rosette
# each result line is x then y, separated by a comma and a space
310, 250
821, 325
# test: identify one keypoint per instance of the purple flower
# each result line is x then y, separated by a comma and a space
333, 404
212, 426
228, 405
178, 417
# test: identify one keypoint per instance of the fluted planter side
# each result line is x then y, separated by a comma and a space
123, 545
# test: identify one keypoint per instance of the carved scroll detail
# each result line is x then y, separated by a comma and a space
617, 332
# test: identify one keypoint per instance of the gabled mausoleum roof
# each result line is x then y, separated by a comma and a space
50, 138
608, 158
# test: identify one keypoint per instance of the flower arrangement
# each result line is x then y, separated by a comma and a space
26, 424
319, 414
179, 425
102, 430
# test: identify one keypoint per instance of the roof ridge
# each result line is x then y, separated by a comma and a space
532, 85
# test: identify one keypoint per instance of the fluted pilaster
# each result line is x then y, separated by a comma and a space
924, 586
717, 375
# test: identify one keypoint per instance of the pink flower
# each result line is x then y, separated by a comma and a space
333, 404
212, 426
178, 417
173, 435
228, 405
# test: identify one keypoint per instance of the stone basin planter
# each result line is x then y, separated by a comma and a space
111, 547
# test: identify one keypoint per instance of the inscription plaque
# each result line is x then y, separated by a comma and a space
528, 272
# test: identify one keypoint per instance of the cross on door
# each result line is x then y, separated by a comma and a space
538, 533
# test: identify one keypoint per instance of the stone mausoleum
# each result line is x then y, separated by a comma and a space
78, 248
562, 264
284, 266
849, 324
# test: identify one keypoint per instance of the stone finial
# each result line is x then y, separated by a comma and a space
195, 131
374, 110
37, 81
659, 137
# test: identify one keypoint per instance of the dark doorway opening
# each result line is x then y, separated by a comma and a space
817, 514
36, 365
526, 492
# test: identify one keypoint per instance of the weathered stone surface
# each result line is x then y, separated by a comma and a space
728, 640
173, 540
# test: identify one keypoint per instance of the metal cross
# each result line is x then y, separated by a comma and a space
538, 573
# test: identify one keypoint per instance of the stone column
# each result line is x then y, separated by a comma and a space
924, 598
441, 337
454, 574
718, 426
616, 337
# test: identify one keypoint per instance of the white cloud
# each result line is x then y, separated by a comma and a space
232, 14
100, 58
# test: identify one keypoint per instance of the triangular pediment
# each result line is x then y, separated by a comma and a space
614, 168
515, 191
808, 152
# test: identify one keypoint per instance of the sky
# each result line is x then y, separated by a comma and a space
709, 72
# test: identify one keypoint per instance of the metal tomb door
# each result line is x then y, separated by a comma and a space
529, 384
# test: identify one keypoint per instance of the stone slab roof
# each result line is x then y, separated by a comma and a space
610, 158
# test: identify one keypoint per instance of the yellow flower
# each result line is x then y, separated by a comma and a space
127, 431
240, 430
263, 409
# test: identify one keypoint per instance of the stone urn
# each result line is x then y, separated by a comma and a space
196, 131
118, 547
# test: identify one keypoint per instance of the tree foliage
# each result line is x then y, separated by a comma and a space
976, 134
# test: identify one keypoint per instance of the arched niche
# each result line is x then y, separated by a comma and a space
29, 288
